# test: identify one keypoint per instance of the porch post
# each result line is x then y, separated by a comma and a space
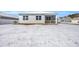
56, 21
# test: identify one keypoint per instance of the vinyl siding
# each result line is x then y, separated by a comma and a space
32, 19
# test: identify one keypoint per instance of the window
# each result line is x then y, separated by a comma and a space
38, 17
48, 18
25, 17
53, 17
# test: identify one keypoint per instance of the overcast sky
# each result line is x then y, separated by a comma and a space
67, 6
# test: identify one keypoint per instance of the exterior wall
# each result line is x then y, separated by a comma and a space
31, 19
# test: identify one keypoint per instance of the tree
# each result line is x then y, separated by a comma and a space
74, 15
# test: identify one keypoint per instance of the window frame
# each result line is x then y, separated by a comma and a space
25, 17
38, 18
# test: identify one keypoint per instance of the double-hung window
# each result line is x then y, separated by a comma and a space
25, 17
38, 17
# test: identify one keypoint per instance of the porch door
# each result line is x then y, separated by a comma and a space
47, 19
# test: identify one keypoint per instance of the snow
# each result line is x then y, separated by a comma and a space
61, 35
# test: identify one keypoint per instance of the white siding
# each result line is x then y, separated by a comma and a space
32, 19
20, 19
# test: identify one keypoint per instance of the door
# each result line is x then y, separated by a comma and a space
47, 19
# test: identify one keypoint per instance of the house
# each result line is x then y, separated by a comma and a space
36, 17
7, 18
65, 19
75, 20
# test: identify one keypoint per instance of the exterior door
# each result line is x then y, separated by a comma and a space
47, 19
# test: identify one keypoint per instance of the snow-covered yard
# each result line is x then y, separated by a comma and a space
39, 35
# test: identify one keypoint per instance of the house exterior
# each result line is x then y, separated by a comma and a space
37, 18
65, 20
75, 20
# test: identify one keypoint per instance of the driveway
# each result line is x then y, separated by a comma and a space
61, 35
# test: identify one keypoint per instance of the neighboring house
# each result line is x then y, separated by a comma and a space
65, 19
37, 18
7, 18
75, 20
59, 19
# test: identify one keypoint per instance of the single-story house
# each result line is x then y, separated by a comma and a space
46, 17
75, 20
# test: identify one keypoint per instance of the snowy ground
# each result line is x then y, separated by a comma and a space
62, 35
